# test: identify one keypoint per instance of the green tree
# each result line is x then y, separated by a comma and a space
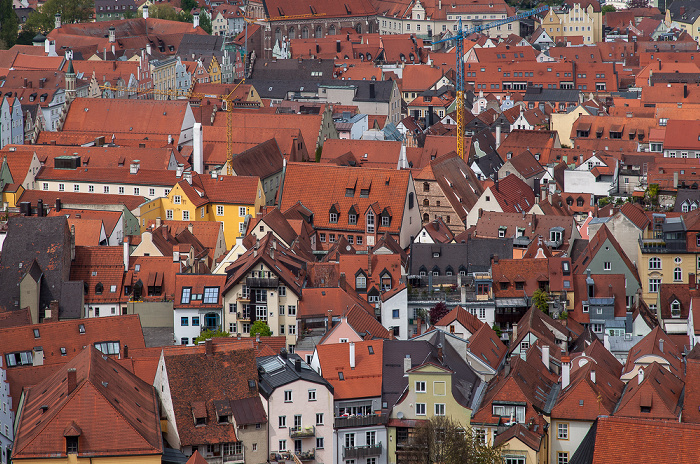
207, 334
163, 11
72, 11
205, 23
443, 440
437, 312
131, 14
652, 194
608, 9
498, 330
541, 300
260, 327
8, 23
188, 5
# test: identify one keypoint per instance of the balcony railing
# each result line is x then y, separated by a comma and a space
309, 455
659, 245
238, 457
262, 282
359, 421
301, 432
359, 452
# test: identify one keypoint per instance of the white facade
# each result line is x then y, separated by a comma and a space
103, 309
120, 188
395, 314
6, 417
585, 182
566, 436
283, 410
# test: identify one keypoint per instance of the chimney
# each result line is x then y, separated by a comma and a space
495, 180
329, 324
283, 353
126, 351
145, 12
195, 20
40, 208
565, 371
112, 34
148, 45
533, 219
126, 254
675, 179
178, 171
352, 355
72, 242
371, 91
159, 221
197, 148
342, 283
208, 347
25, 82
498, 136
545, 355
257, 338
187, 175
691, 281
685, 90
640, 375
72, 380
439, 352
176, 256
57, 21
337, 46
661, 345
593, 375
407, 363
369, 263
297, 365
51, 314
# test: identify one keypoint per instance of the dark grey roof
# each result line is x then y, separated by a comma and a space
276, 371
692, 195
550, 95
472, 256
248, 411
690, 13
578, 248
464, 383
46, 240
382, 90
586, 449
278, 89
294, 69
199, 44
261, 161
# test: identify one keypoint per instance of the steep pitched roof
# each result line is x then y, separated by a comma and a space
486, 346
126, 403
656, 343
513, 195
362, 381
101, 268
589, 387
461, 315
659, 390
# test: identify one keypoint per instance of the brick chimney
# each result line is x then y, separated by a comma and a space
209, 347
72, 380
341, 281
419, 324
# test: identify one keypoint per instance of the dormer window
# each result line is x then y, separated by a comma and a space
352, 218
333, 218
99, 288
370, 222
385, 221
386, 281
71, 445
675, 309
360, 282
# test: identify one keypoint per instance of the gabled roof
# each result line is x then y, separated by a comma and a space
197, 283
260, 161
461, 315
635, 213
202, 385
487, 347
656, 343
438, 231
659, 390
457, 181
592, 392
51, 411
526, 164
595, 245
277, 371
318, 301
520, 432
513, 195
362, 381
101, 268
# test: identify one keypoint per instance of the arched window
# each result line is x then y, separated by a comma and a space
305, 33
331, 30
292, 33
99, 288
694, 206
410, 200
369, 56
426, 218
655, 263
278, 34
426, 202
677, 274
675, 309
319, 32
579, 202
358, 28
360, 282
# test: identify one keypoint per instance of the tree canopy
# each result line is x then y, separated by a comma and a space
260, 327
8, 24
72, 11
207, 334
443, 440
437, 312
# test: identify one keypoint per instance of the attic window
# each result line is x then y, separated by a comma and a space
251, 384
63, 351
341, 376
370, 348
99, 288
81, 328
36, 333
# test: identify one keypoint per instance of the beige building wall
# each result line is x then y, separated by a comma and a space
562, 123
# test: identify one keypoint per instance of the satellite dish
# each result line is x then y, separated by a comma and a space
399, 415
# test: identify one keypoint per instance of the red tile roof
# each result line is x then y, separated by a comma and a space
197, 284
365, 380
132, 202
486, 346
102, 265
318, 301
513, 195
651, 345
592, 392
659, 390
120, 402
461, 315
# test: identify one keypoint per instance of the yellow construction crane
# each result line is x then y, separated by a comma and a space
226, 105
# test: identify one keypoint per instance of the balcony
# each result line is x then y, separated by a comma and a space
659, 245
359, 452
302, 432
233, 458
309, 455
262, 282
359, 421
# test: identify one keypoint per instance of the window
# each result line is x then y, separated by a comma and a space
282, 290
242, 211
211, 295
654, 285
291, 310
184, 321
186, 294
562, 431
282, 421
137, 191
334, 218
385, 221
607, 266
319, 418
360, 282
288, 396
675, 309
319, 442
108, 347
677, 274
371, 438
349, 440
370, 223
219, 210
151, 192
420, 387
45, 186
420, 409
597, 328
292, 329
185, 215
71, 445
177, 199
394, 313
281, 310
195, 321
21, 358
439, 409
312, 395
655, 263
91, 188
515, 460
562, 457
283, 445
61, 187
76, 187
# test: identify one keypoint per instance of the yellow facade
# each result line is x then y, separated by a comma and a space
664, 268
577, 22
75, 459
11, 199
177, 206
215, 71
